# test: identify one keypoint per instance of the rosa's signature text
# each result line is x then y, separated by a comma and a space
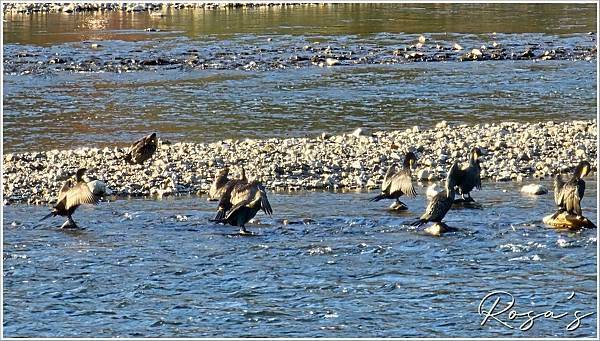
500, 306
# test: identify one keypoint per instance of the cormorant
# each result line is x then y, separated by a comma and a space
225, 196
246, 200
142, 149
469, 177
217, 187
568, 194
398, 183
73, 193
441, 203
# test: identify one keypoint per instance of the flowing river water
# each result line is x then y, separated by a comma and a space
341, 266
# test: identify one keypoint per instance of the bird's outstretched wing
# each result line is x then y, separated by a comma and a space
402, 182
80, 194
62, 193
558, 187
385, 185
264, 200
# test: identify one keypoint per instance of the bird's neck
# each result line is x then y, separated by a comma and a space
450, 192
221, 180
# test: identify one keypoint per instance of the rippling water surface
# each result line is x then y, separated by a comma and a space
63, 109
144, 267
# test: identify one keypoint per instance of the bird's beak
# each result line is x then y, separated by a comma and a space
586, 170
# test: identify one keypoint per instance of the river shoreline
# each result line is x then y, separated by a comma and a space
30, 8
358, 160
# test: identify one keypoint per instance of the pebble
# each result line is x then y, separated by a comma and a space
326, 161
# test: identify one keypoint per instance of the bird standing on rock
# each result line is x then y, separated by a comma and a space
568, 194
441, 203
73, 193
398, 183
246, 200
469, 177
142, 149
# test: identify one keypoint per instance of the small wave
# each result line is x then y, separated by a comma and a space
534, 258
320, 250
517, 248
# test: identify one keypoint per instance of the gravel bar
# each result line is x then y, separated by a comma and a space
358, 160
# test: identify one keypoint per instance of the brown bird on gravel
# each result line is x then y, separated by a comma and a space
73, 193
142, 149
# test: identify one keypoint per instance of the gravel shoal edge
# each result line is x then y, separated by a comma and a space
512, 152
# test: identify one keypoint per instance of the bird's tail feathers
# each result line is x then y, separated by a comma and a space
418, 222
219, 217
377, 198
48, 215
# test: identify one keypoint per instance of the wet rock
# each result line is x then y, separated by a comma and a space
98, 188
534, 189
432, 191
331, 61
423, 174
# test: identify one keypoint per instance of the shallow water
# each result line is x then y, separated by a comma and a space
145, 267
62, 109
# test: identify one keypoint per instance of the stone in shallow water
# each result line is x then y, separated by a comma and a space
432, 191
98, 188
437, 229
534, 189
564, 220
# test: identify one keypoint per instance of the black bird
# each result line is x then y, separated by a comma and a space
247, 200
469, 177
142, 149
73, 193
441, 203
398, 183
225, 203
568, 194
218, 186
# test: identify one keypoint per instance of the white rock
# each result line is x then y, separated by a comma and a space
431, 191
359, 132
331, 61
534, 189
441, 125
98, 188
